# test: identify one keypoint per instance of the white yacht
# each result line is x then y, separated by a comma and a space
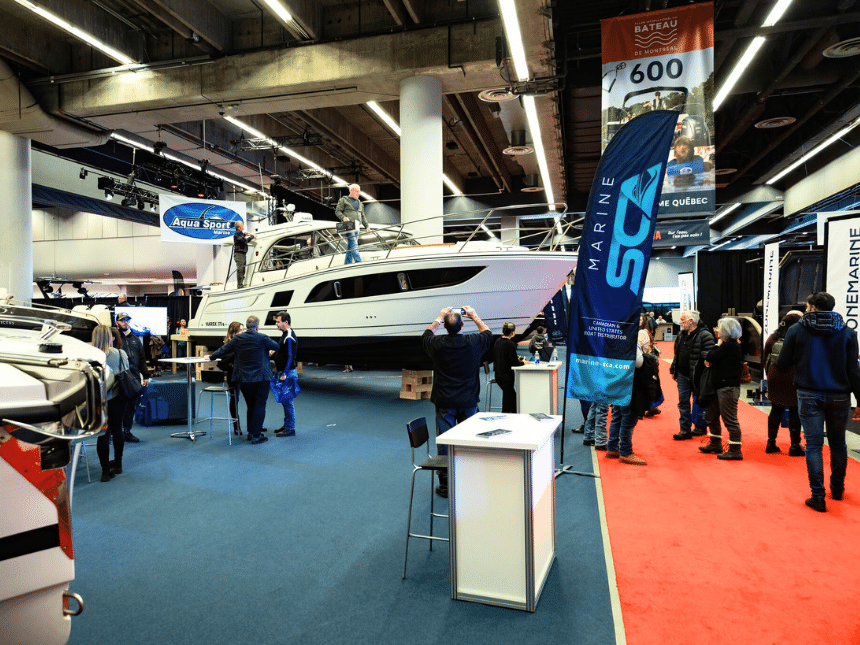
374, 312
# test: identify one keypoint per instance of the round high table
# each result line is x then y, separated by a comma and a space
189, 370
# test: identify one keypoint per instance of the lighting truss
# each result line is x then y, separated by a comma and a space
306, 138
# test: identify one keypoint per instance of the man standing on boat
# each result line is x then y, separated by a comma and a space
456, 358
350, 209
240, 252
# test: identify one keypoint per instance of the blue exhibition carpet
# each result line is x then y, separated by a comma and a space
301, 539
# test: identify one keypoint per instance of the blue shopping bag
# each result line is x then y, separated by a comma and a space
285, 390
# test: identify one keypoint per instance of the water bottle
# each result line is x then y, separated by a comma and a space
554, 357
537, 358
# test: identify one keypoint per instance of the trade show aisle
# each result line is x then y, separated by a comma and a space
301, 539
711, 552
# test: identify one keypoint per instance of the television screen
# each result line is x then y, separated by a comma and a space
146, 320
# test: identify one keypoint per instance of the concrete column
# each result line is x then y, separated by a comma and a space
16, 216
421, 157
510, 230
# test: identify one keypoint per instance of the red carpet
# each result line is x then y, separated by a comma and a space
707, 551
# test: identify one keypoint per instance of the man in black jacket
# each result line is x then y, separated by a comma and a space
137, 366
504, 360
285, 361
694, 342
824, 351
456, 358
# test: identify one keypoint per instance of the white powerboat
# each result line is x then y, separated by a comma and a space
52, 392
374, 312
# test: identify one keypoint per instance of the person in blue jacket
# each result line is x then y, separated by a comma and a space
824, 352
252, 372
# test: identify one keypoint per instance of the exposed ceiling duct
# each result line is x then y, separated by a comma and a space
20, 114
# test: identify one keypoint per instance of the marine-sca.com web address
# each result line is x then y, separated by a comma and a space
596, 362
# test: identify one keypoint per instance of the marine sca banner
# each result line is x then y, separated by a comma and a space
199, 221
614, 252
665, 60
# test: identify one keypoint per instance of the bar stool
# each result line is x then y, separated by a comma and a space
212, 391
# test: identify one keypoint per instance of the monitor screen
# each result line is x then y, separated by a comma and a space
146, 320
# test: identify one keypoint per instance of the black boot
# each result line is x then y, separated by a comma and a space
771, 446
796, 450
681, 436
107, 474
116, 466
715, 447
734, 453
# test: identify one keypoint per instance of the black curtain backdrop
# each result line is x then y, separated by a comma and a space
728, 279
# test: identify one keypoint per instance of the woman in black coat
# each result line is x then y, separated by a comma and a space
724, 362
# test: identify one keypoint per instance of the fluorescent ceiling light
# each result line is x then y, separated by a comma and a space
132, 142
279, 10
725, 212
451, 186
77, 33
773, 17
537, 142
515, 41
386, 118
821, 146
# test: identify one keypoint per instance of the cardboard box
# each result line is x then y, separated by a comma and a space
415, 396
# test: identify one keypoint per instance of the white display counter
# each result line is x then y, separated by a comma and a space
537, 387
501, 496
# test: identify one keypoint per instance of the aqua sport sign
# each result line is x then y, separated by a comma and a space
199, 221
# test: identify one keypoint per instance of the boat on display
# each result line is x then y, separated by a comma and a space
374, 312
52, 393
77, 322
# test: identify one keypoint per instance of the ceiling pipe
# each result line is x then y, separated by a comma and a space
21, 114
741, 19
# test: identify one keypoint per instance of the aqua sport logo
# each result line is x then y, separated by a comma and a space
202, 221
629, 265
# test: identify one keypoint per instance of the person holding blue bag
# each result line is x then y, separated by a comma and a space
285, 384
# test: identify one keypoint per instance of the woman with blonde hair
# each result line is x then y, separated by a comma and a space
117, 361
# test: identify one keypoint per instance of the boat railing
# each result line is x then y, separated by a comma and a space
390, 237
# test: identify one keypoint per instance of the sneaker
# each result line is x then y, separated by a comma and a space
613, 454
260, 439
683, 435
817, 504
699, 432
588, 442
281, 429
285, 433
600, 446
442, 491
130, 438
771, 447
633, 460
796, 450
579, 430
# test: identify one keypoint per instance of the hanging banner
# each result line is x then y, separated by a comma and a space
198, 221
687, 287
842, 266
614, 252
686, 233
664, 60
770, 300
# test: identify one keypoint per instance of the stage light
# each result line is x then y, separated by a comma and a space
108, 194
140, 204
83, 174
127, 201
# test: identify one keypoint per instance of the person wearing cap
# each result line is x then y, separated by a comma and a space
137, 366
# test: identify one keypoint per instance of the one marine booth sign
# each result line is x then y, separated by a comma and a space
199, 221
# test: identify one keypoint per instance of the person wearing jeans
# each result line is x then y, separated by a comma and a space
595, 426
624, 418
824, 351
693, 343
350, 209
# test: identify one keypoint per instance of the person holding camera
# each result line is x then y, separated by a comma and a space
456, 358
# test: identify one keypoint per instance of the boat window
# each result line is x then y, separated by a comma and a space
379, 284
282, 299
283, 252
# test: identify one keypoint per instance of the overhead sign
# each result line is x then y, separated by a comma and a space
842, 266
614, 253
686, 233
199, 221
687, 287
664, 60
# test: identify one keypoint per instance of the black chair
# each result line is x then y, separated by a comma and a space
419, 436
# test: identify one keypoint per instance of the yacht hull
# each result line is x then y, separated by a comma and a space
374, 313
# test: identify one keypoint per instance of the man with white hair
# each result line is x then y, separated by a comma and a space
350, 209
694, 342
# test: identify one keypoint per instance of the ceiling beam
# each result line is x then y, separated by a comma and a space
398, 12
154, 8
332, 124
198, 17
415, 9
476, 129
17, 39
308, 15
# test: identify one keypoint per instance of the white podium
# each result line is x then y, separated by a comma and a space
501, 501
537, 387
